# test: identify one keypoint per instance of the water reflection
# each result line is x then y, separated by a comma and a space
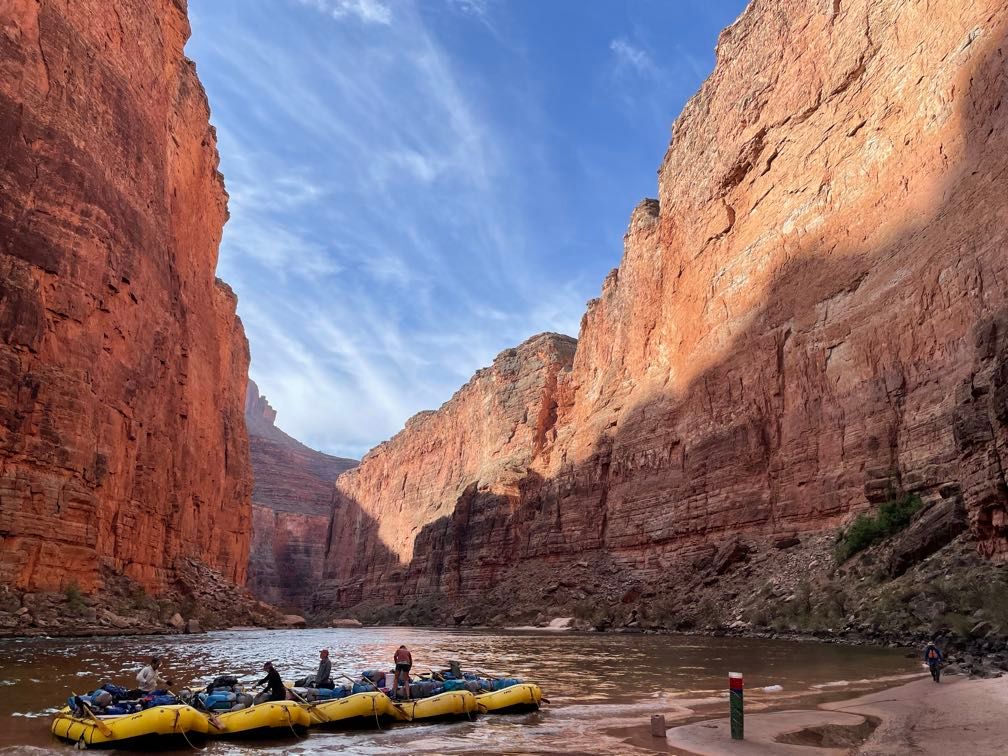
595, 682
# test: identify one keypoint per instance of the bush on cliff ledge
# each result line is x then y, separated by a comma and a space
892, 516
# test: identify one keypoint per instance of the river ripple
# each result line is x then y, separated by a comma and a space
597, 683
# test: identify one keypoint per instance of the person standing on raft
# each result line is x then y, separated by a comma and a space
148, 679
275, 690
403, 663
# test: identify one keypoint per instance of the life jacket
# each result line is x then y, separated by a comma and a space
932, 654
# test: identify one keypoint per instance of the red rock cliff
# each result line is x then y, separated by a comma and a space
292, 501
122, 362
812, 313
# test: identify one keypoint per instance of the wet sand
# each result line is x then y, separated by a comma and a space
919, 717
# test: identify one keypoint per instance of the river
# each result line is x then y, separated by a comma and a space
600, 686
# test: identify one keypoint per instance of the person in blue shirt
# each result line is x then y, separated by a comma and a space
933, 658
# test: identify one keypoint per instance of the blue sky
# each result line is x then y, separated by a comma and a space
416, 186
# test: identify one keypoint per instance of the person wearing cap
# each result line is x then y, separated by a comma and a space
148, 679
275, 690
322, 676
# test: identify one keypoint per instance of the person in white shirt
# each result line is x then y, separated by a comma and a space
148, 679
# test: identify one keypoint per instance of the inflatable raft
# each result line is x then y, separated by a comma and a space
129, 729
360, 709
451, 705
269, 718
517, 698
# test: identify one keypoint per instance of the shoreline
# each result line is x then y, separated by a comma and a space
919, 717
916, 717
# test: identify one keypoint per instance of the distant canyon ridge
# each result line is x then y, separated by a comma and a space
808, 321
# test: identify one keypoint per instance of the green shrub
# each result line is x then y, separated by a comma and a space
892, 516
74, 597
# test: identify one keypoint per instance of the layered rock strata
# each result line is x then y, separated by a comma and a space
292, 501
810, 318
122, 361
415, 488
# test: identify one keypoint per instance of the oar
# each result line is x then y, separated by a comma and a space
101, 725
310, 706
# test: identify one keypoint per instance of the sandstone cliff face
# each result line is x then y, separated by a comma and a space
479, 443
292, 501
811, 315
122, 362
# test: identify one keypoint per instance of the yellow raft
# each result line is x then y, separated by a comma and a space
361, 708
271, 717
158, 721
522, 697
456, 703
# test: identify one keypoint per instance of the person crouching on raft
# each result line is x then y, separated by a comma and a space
933, 658
148, 679
275, 690
403, 663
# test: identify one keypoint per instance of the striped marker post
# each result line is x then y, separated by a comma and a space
735, 701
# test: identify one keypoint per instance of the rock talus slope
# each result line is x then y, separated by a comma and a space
122, 361
292, 501
810, 316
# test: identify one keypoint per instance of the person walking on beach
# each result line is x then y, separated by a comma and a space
403, 663
933, 658
322, 676
275, 690
148, 679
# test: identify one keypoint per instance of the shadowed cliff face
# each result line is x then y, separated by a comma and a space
812, 313
122, 362
292, 502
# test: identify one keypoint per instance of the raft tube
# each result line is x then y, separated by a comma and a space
275, 718
359, 710
158, 722
452, 705
517, 698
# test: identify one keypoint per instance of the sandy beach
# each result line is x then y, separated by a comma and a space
920, 717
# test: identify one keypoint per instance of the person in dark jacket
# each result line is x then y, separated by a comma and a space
275, 690
933, 658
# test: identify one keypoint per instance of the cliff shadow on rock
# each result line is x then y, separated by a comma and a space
877, 362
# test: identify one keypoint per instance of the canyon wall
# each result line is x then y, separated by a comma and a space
809, 319
122, 362
292, 501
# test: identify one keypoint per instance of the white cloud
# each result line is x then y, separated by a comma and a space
635, 57
377, 240
366, 11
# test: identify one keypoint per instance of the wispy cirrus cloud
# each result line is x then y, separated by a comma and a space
403, 203
631, 56
367, 11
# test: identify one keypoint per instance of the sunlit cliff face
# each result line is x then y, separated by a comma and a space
122, 362
812, 312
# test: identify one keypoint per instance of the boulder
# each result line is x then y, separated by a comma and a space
932, 529
193, 626
177, 622
729, 553
345, 622
293, 620
981, 629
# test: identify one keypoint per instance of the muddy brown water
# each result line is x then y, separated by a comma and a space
600, 686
